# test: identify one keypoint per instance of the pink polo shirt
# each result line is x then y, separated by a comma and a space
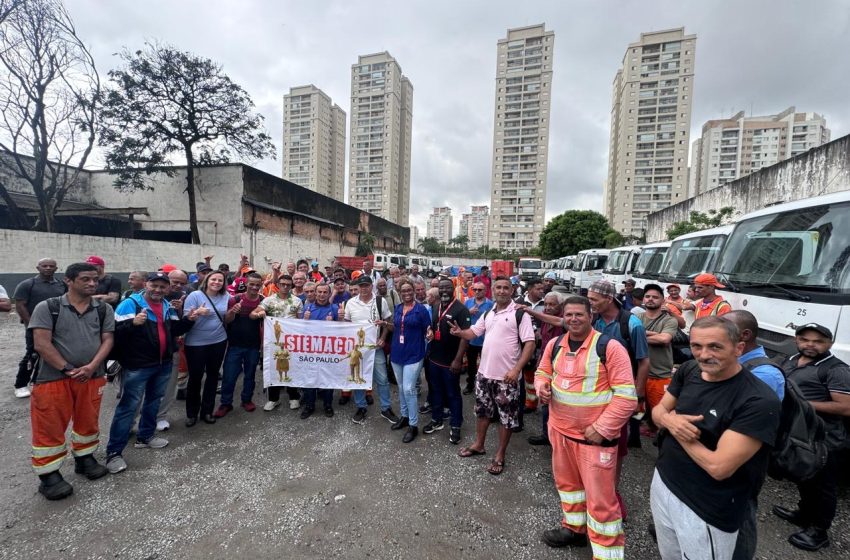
501, 345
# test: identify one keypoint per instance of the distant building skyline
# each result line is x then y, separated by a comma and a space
475, 226
440, 224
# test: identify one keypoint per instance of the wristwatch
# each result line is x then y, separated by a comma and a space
67, 367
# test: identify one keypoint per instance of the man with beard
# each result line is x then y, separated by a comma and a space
660, 328
824, 381
445, 357
549, 281
321, 310
718, 424
176, 388
508, 345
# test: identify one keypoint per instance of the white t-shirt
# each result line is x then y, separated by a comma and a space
357, 311
3, 294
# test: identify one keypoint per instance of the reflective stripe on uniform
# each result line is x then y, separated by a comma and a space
607, 552
609, 528
47, 451
77, 438
591, 365
625, 391
541, 373
575, 518
50, 466
580, 399
576, 497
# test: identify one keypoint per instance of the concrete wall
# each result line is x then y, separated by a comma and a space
823, 170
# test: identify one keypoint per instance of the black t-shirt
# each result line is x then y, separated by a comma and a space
744, 404
243, 331
443, 351
817, 380
35, 290
574, 344
108, 284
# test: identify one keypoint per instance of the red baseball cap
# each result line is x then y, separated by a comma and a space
168, 267
94, 259
707, 279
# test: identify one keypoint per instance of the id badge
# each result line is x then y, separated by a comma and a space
437, 335
401, 339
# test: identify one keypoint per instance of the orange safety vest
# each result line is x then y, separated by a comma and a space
711, 309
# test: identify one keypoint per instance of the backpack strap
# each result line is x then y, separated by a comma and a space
602, 348
759, 361
54, 306
624, 317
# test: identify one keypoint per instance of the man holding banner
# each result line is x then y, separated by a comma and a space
321, 310
369, 309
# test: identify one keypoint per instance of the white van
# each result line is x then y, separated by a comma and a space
789, 265
565, 269
588, 269
649, 262
621, 264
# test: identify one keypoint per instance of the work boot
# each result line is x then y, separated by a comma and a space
86, 465
539, 440
790, 515
561, 537
54, 487
810, 539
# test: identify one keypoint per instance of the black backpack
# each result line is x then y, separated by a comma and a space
800, 451
54, 306
623, 318
518, 317
601, 348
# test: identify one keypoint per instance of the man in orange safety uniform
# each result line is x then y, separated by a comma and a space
586, 378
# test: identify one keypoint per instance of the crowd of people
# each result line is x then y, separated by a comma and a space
607, 372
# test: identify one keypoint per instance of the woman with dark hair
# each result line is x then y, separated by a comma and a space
205, 345
412, 324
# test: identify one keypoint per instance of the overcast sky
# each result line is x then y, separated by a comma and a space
751, 55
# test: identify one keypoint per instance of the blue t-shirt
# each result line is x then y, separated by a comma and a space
482, 309
208, 329
769, 374
416, 323
340, 298
320, 312
639, 344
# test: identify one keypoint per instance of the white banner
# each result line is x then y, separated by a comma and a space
318, 354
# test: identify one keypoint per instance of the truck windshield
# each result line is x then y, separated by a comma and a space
805, 248
650, 261
594, 262
529, 264
617, 262
689, 257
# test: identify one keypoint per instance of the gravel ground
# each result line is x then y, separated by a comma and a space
264, 484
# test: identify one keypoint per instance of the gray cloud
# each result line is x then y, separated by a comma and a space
765, 55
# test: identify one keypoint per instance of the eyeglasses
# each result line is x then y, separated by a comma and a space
477, 289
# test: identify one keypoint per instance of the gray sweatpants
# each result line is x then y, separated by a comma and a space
681, 533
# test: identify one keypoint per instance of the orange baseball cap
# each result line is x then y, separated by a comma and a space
707, 279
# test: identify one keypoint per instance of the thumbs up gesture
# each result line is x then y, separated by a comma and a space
202, 310
329, 317
140, 318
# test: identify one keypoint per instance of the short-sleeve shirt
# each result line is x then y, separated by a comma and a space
501, 349
743, 404
208, 329
482, 309
276, 306
108, 284
243, 331
817, 387
77, 336
638, 347
660, 356
321, 312
35, 290
413, 326
770, 374
359, 312
443, 351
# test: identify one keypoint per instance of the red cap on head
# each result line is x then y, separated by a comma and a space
95, 260
167, 267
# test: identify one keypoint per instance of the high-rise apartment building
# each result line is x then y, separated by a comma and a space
475, 226
521, 137
650, 129
734, 147
381, 119
440, 224
314, 141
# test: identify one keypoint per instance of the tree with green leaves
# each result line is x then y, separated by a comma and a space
365, 244
49, 94
166, 104
573, 231
699, 221
461, 241
430, 245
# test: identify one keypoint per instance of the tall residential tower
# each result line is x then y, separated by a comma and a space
314, 141
521, 137
440, 224
475, 226
650, 129
381, 118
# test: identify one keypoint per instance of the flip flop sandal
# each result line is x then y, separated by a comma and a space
496, 468
469, 452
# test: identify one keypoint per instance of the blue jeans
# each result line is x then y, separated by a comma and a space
446, 385
408, 397
238, 360
379, 377
309, 398
148, 383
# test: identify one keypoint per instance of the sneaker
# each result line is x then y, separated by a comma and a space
223, 410
425, 408
22, 393
389, 416
454, 437
249, 406
307, 412
116, 464
432, 427
153, 443
329, 412
54, 487
369, 400
163, 425
271, 405
343, 400
359, 416
294, 404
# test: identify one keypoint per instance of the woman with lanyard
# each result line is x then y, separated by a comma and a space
412, 328
205, 345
